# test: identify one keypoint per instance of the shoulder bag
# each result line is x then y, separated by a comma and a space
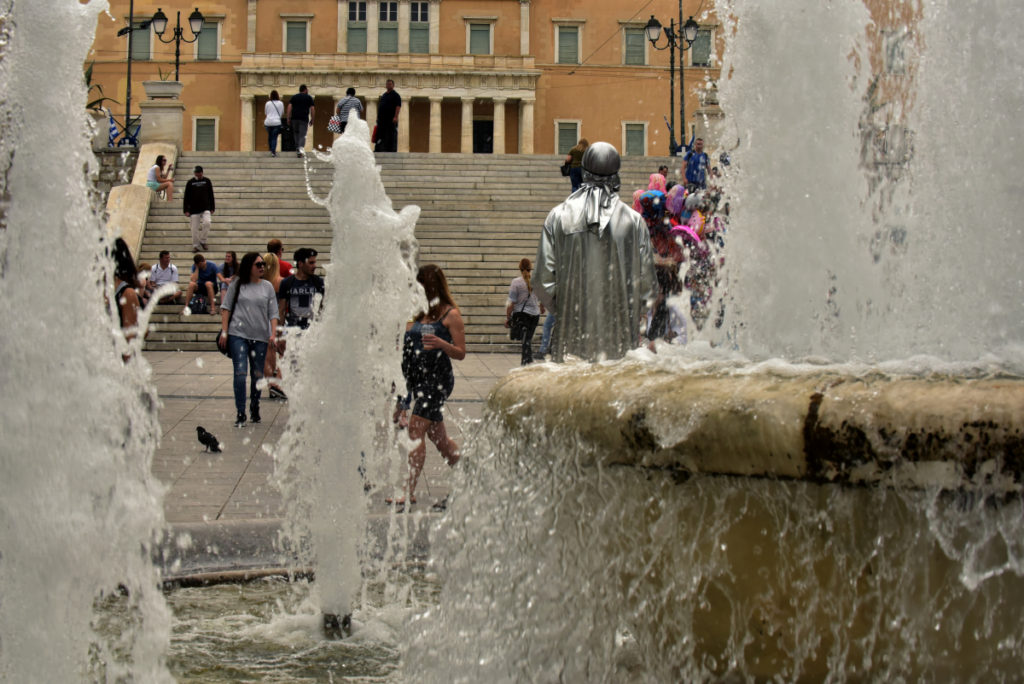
517, 328
216, 340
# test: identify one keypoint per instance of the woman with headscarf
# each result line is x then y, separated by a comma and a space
522, 301
432, 340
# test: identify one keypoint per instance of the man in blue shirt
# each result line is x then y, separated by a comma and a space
300, 111
695, 165
204, 278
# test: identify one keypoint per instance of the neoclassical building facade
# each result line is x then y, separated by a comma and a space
484, 76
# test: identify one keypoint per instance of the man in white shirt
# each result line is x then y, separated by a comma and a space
164, 273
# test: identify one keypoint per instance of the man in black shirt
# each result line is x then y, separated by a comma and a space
387, 119
295, 296
198, 206
300, 111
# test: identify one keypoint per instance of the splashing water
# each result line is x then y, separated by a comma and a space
339, 435
876, 188
80, 508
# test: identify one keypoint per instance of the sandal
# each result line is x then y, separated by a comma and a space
400, 501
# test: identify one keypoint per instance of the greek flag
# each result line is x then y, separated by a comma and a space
112, 136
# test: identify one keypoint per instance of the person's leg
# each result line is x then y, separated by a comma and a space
258, 350
209, 293
272, 133
188, 295
527, 354
205, 221
238, 349
545, 339
299, 129
168, 188
193, 222
418, 426
445, 444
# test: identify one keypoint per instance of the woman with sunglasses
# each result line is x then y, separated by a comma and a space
248, 314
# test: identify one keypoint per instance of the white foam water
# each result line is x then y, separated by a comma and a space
79, 506
345, 373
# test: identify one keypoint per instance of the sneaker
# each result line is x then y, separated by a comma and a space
273, 154
275, 393
240, 420
298, 154
254, 414
205, 247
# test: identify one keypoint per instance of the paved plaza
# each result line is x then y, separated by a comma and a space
196, 389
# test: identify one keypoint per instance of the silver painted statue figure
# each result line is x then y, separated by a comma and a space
595, 266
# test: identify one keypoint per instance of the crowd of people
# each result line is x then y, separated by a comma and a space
609, 277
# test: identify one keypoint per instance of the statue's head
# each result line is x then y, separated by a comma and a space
601, 159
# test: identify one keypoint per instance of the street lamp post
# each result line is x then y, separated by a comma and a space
195, 22
129, 30
682, 41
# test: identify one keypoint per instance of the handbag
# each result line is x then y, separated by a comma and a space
517, 328
565, 169
334, 125
216, 340
373, 136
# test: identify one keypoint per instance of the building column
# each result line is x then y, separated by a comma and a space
372, 27
499, 125
467, 125
247, 143
342, 26
434, 145
526, 125
404, 14
434, 19
524, 27
250, 35
371, 113
403, 125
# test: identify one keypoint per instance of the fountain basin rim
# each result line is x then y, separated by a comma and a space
818, 425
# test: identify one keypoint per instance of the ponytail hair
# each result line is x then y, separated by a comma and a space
525, 267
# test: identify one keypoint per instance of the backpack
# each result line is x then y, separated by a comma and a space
197, 303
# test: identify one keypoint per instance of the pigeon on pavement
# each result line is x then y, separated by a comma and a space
208, 440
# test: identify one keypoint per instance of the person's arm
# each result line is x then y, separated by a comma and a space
213, 202
398, 109
186, 197
272, 313
195, 275
312, 113
510, 305
289, 114
225, 316
282, 300
457, 348
129, 306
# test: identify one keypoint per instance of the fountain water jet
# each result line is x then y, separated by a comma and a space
80, 508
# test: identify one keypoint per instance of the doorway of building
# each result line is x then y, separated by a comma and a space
483, 136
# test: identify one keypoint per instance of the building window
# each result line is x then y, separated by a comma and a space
141, 43
419, 28
296, 36
567, 48
479, 39
568, 133
635, 144
700, 51
357, 27
634, 49
204, 135
387, 30
208, 42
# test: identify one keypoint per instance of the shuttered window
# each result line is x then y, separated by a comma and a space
356, 36
700, 52
634, 52
387, 31
206, 135
636, 146
140, 43
208, 42
295, 37
419, 28
568, 136
479, 39
568, 45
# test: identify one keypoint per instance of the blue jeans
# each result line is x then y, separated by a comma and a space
576, 177
253, 353
545, 338
272, 133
